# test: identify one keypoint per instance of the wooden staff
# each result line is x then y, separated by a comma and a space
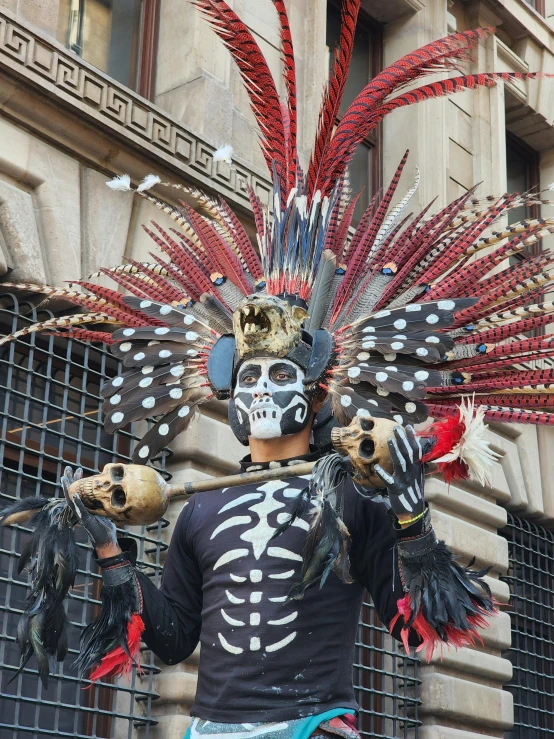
201, 486
243, 478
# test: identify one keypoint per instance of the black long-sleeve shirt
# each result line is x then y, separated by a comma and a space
225, 584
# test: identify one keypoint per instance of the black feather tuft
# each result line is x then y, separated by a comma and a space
328, 540
50, 557
109, 631
444, 601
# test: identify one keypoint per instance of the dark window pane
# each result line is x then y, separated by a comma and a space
105, 33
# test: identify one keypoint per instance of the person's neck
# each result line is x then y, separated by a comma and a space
284, 447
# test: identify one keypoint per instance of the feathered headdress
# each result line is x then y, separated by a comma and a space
379, 319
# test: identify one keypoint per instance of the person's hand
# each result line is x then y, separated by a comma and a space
405, 485
100, 530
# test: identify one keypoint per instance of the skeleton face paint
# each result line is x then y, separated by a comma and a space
270, 400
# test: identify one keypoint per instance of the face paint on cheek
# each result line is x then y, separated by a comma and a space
269, 400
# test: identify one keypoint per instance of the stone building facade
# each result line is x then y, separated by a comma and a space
85, 94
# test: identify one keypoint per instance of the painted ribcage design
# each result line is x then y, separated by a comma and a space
258, 567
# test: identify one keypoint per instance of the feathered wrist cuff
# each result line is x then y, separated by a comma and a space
444, 603
112, 641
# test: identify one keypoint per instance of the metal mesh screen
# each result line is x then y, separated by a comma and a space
50, 417
386, 681
530, 577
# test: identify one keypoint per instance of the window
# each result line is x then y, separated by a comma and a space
117, 36
50, 417
522, 173
538, 5
530, 577
365, 169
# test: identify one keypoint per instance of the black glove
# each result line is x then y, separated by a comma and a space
405, 485
100, 530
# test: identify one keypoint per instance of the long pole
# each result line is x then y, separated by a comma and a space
242, 478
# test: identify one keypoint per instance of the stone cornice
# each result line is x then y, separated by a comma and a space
42, 83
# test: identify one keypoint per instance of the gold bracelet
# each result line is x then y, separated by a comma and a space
412, 520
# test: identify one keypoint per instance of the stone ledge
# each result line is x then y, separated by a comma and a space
49, 76
474, 662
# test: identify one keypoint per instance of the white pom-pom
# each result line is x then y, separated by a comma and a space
551, 186
148, 182
224, 154
121, 182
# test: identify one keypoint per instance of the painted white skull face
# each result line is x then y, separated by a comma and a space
270, 399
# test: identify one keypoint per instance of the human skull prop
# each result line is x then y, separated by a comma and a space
365, 442
127, 494
266, 324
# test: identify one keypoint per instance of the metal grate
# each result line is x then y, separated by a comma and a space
530, 577
386, 681
50, 417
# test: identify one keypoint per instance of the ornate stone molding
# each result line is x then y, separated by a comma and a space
42, 67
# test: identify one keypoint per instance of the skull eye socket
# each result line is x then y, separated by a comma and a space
117, 473
119, 497
367, 449
367, 424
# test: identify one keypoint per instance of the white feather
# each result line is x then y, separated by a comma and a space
395, 214
120, 182
224, 154
149, 181
473, 448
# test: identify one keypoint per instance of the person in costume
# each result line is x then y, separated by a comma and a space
318, 336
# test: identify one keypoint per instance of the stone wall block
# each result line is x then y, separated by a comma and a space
466, 703
41, 13
20, 237
58, 211
220, 456
105, 238
471, 506
471, 541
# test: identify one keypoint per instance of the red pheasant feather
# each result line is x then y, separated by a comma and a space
257, 78
334, 93
289, 74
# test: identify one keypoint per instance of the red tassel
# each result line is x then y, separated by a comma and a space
429, 637
117, 662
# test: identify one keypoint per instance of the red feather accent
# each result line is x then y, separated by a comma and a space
480, 266
498, 333
289, 75
193, 272
361, 228
118, 662
334, 92
429, 637
257, 78
244, 244
359, 257
447, 433
358, 119
226, 259
81, 334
